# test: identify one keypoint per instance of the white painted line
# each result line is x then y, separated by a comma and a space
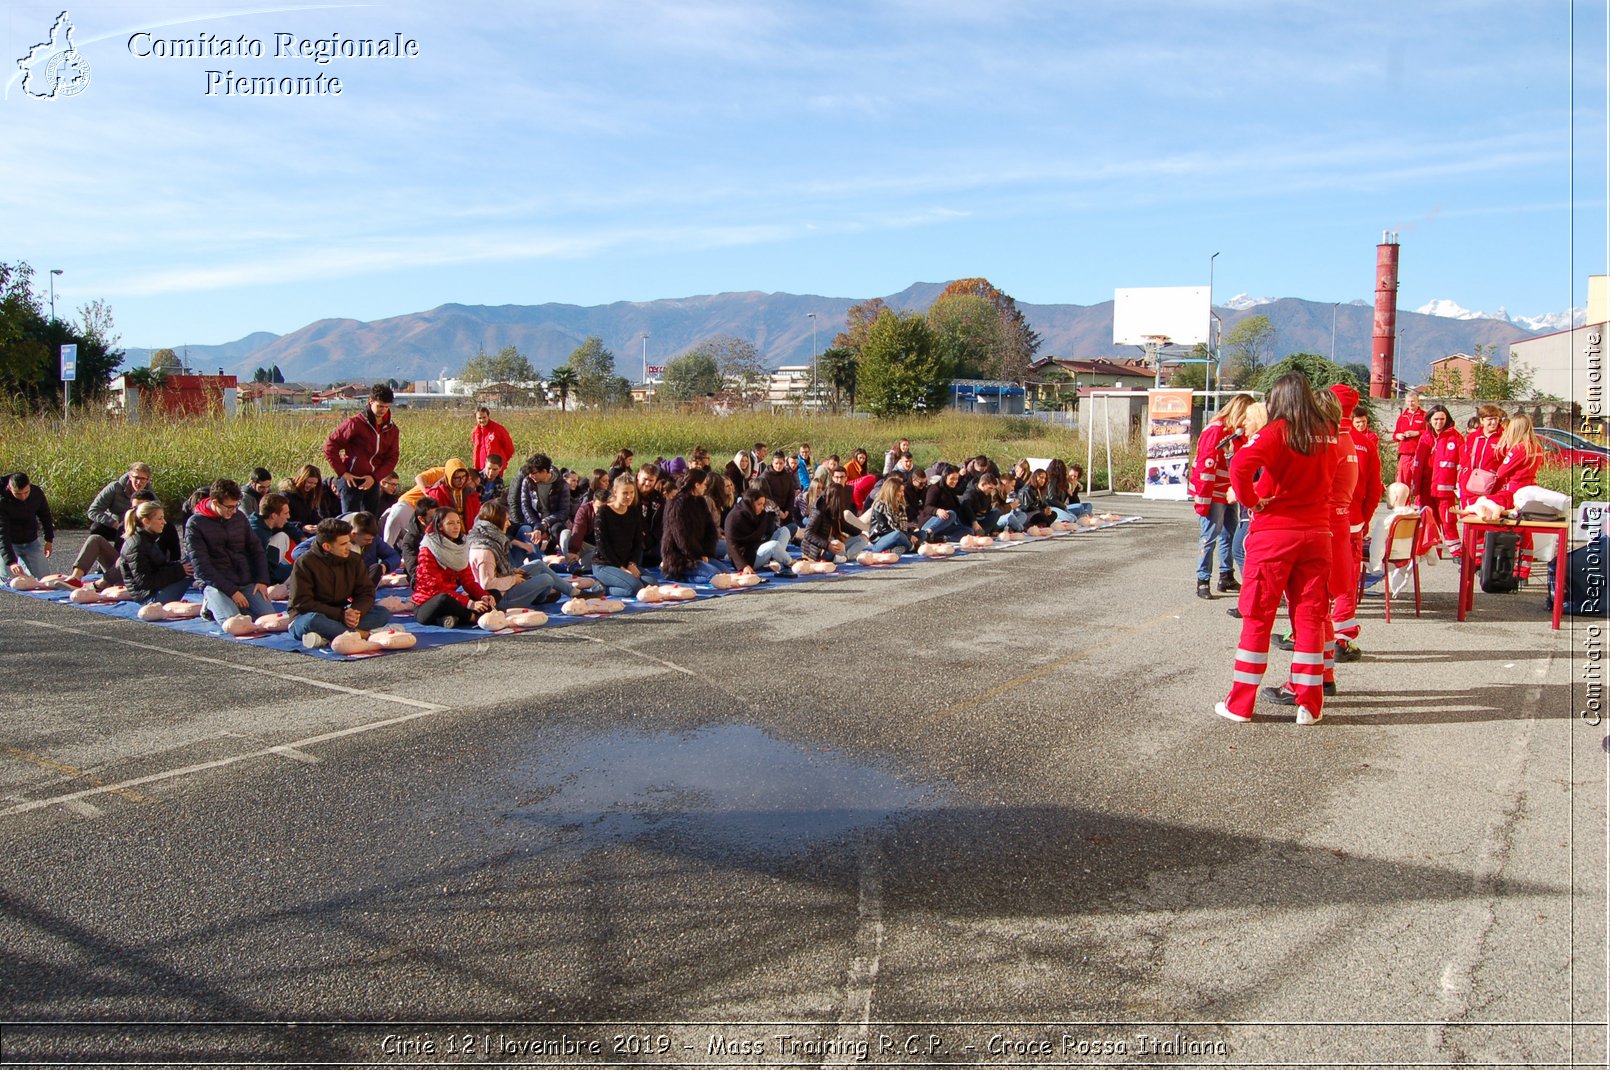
201, 767
673, 666
235, 666
296, 755
82, 808
863, 973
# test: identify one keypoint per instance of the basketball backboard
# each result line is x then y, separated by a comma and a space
1178, 313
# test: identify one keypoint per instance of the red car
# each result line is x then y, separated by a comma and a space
1562, 449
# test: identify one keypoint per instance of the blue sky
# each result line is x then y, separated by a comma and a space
596, 151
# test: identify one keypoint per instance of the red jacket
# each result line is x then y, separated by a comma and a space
493, 438
1409, 420
1210, 475
1515, 471
1481, 451
431, 579
1437, 465
1368, 447
467, 500
360, 448
1298, 485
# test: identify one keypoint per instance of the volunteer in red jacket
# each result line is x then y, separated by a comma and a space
1520, 456
1411, 425
363, 451
1346, 531
1371, 486
1481, 450
1210, 486
1437, 467
489, 437
1288, 548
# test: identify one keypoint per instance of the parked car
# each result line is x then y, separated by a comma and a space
1563, 449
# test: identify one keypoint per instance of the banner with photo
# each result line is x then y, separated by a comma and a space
1168, 444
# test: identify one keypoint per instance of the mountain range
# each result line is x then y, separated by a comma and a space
425, 345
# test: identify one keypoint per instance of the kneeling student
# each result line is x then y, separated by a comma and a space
331, 589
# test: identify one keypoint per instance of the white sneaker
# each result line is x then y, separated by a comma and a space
314, 641
1228, 714
1304, 717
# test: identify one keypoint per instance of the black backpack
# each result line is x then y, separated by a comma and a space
1584, 578
1499, 553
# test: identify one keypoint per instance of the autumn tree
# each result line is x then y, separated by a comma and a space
857, 322
901, 370
165, 361
740, 364
966, 328
1014, 343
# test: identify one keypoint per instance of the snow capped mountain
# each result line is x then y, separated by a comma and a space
1245, 301
1549, 321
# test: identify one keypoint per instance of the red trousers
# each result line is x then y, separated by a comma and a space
1294, 564
1346, 554
1406, 469
1443, 509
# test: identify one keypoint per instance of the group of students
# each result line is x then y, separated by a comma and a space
1287, 489
469, 542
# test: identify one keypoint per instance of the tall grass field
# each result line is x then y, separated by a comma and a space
73, 460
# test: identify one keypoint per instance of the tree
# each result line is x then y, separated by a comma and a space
1321, 372
595, 372
1251, 343
30, 345
838, 366
692, 375
275, 375
966, 328
857, 322
901, 370
260, 375
1446, 383
740, 363
1360, 373
165, 361
508, 365
1192, 376
1015, 343
1064, 388
563, 380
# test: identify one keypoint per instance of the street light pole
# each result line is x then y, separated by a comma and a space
53, 273
1334, 306
1210, 377
812, 316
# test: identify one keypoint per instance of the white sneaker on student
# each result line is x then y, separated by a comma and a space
314, 641
1304, 717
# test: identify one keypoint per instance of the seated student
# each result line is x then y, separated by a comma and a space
780, 487
916, 495
887, 524
456, 487
24, 514
445, 590
740, 468
150, 571
754, 539
652, 505
1008, 516
331, 591
540, 505
259, 483
389, 492
1076, 477
690, 536
377, 556
699, 458
423, 516
857, 466
268, 524
172, 543
579, 542
621, 467
100, 550
227, 557
825, 537
489, 479
620, 540
1056, 491
1033, 500
394, 521
978, 503
311, 501
892, 457
514, 588
941, 514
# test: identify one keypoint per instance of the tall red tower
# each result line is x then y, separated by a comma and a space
1383, 353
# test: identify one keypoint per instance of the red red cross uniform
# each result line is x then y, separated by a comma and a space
1409, 422
1288, 554
1439, 478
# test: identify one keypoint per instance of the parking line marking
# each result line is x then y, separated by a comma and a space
64, 769
234, 666
296, 755
82, 808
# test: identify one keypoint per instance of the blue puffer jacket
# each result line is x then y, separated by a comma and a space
225, 553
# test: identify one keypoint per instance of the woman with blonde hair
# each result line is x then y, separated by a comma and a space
1520, 455
886, 519
149, 572
1210, 489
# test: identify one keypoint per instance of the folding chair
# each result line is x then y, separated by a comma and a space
1402, 541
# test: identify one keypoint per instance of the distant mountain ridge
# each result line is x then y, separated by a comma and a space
421, 345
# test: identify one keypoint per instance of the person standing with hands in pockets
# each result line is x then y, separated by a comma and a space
363, 450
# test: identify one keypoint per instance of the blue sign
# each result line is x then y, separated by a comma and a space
69, 363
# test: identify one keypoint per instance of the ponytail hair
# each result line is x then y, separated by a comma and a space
132, 518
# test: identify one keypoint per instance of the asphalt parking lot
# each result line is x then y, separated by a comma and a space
975, 811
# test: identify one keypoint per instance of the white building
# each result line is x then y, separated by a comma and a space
1570, 364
